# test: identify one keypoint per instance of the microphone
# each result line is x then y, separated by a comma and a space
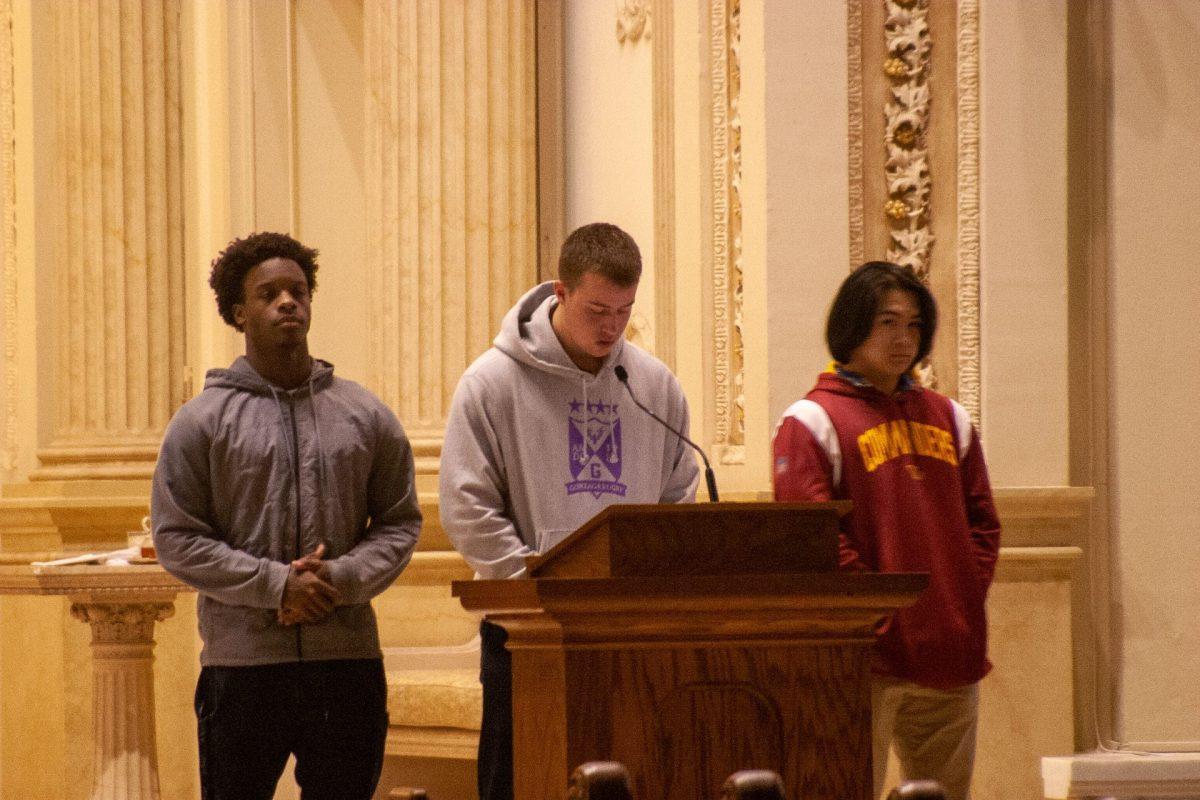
709, 477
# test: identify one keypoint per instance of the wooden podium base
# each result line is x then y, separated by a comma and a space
687, 680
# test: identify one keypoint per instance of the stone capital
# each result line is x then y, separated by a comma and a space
122, 622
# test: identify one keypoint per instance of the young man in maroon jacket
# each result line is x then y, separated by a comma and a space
911, 462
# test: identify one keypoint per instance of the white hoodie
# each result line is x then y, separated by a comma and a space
535, 446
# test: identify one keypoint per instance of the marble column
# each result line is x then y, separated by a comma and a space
451, 193
118, 301
125, 759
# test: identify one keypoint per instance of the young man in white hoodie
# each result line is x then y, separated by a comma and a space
542, 436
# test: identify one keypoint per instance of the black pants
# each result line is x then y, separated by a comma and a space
331, 714
496, 734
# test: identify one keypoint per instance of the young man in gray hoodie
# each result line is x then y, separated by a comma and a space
285, 496
542, 436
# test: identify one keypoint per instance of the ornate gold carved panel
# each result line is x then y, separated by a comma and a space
914, 163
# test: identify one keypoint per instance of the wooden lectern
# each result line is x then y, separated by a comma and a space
692, 641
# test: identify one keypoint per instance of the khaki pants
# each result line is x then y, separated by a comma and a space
932, 731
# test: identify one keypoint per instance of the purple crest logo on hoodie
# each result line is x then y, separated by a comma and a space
594, 439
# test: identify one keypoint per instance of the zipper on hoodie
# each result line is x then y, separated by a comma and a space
296, 477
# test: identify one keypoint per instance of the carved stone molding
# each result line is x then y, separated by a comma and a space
662, 67
451, 195
633, 20
856, 133
725, 230
1130, 771
75, 516
1033, 564
119, 291
969, 334
122, 623
1043, 516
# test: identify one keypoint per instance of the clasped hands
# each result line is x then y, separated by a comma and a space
309, 595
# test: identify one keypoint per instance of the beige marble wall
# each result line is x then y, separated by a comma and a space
1025, 709
1024, 229
792, 168
328, 146
1153, 208
807, 161
609, 135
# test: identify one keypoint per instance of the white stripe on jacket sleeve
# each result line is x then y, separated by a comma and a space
962, 421
817, 420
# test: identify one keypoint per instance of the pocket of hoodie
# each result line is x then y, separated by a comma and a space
224, 627
354, 617
546, 539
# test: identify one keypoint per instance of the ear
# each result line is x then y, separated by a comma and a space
560, 291
239, 316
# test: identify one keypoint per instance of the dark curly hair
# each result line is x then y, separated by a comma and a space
231, 265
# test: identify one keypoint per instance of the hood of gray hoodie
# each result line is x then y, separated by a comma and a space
527, 336
243, 377
535, 446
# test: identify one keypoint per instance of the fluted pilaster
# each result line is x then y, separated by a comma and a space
451, 193
119, 292
8, 242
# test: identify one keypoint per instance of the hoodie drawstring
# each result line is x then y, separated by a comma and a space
287, 434
294, 450
322, 481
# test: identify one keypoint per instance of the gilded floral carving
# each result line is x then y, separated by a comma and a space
906, 211
907, 119
633, 20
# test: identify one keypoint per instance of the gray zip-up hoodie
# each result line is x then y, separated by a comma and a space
535, 446
250, 477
